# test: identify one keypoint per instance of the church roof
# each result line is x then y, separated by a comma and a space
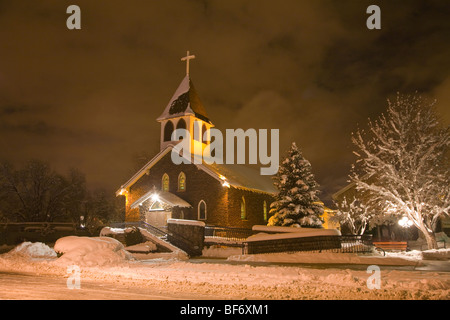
243, 177
236, 175
185, 101
164, 196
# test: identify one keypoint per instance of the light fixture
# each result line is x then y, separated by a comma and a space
155, 197
405, 222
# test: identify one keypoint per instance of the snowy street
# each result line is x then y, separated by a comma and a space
101, 269
28, 286
161, 280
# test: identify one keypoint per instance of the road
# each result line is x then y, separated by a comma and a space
31, 286
25, 286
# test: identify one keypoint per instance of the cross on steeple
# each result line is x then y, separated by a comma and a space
187, 58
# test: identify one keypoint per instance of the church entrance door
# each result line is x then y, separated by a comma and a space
158, 218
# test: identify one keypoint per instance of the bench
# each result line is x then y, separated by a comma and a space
391, 245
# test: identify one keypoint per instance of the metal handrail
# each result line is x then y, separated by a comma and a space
158, 232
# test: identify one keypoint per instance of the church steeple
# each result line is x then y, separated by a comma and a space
185, 111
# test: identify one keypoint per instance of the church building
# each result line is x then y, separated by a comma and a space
230, 195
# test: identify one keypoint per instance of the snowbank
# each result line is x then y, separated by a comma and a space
188, 280
220, 252
403, 258
108, 231
145, 247
32, 250
436, 254
310, 232
325, 258
86, 251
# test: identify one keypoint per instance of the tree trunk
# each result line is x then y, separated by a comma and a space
431, 240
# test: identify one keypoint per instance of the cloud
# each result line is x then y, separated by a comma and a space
311, 69
442, 96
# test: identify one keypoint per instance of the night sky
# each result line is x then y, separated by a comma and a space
89, 98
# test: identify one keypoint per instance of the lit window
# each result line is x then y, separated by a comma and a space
265, 210
165, 182
243, 209
204, 140
182, 182
202, 210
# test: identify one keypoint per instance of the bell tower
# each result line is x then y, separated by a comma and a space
185, 111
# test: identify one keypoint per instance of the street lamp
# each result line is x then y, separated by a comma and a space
82, 222
405, 222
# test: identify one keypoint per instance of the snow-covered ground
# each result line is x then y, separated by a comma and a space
105, 261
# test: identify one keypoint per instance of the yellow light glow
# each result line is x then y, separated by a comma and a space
226, 184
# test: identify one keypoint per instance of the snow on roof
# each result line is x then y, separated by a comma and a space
164, 196
185, 101
237, 175
245, 177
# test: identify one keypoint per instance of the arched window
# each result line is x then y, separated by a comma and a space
168, 129
202, 210
181, 125
182, 182
204, 140
165, 182
243, 209
265, 210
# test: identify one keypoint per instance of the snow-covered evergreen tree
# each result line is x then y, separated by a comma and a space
403, 164
297, 203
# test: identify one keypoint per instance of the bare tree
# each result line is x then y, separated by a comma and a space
354, 215
37, 193
405, 155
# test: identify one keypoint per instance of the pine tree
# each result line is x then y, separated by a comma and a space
297, 203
